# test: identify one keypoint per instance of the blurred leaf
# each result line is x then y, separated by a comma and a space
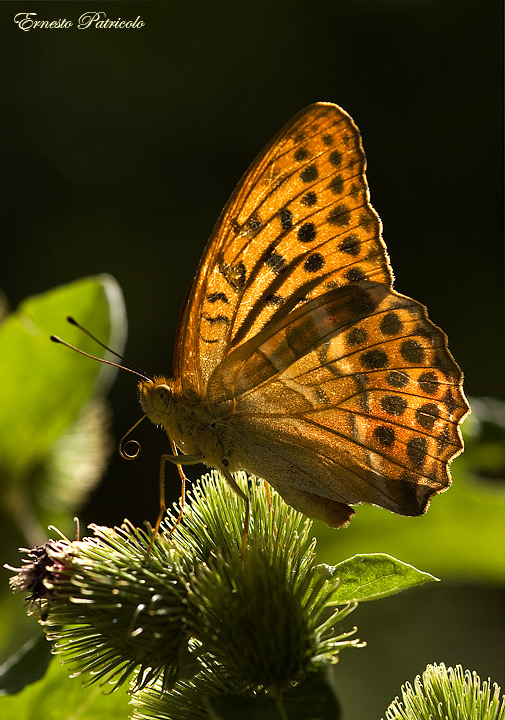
45, 385
369, 577
27, 666
45, 390
57, 697
484, 458
76, 463
16, 627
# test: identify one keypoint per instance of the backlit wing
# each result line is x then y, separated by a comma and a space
353, 397
298, 224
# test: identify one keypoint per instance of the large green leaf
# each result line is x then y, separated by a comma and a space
57, 697
44, 386
26, 666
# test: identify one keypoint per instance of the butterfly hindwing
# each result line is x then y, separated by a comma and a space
359, 387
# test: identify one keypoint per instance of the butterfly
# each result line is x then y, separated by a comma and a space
295, 360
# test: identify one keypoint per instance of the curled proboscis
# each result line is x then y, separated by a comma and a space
129, 454
137, 447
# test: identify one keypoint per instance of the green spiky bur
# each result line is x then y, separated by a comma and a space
200, 614
448, 694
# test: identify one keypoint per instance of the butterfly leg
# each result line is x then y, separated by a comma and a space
178, 460
183, 490
163, 507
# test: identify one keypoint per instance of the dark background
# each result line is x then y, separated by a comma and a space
120, 147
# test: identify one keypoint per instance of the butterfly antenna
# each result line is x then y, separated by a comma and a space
73, 321
138, 371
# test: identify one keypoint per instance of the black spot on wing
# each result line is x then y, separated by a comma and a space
335, 158
340, 215
235, 275
355, 274
356, 336
217, 297
374, 359
391, 324
412, 351
216, 319
427, 415
309, 174
309, 199
286, 219
314, 263
301, 154
350, 245
274, 260
428, 382
275, 300
385, 435
307, 232
393, 404
417, 449
337, 185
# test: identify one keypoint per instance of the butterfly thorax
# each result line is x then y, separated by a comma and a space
196, 427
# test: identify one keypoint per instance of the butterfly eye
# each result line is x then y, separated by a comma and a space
161, 398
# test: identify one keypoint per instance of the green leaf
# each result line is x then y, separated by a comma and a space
56, 696
27, 666
49, 393
313, 699
369, 577
48, 384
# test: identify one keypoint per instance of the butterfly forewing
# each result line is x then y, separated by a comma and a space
298, 224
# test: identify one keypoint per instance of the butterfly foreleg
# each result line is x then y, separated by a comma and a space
178, 460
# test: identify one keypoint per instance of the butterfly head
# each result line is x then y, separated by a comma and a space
156, 399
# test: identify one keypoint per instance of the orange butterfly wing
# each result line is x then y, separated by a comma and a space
348, 420
298, 222
339, 389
